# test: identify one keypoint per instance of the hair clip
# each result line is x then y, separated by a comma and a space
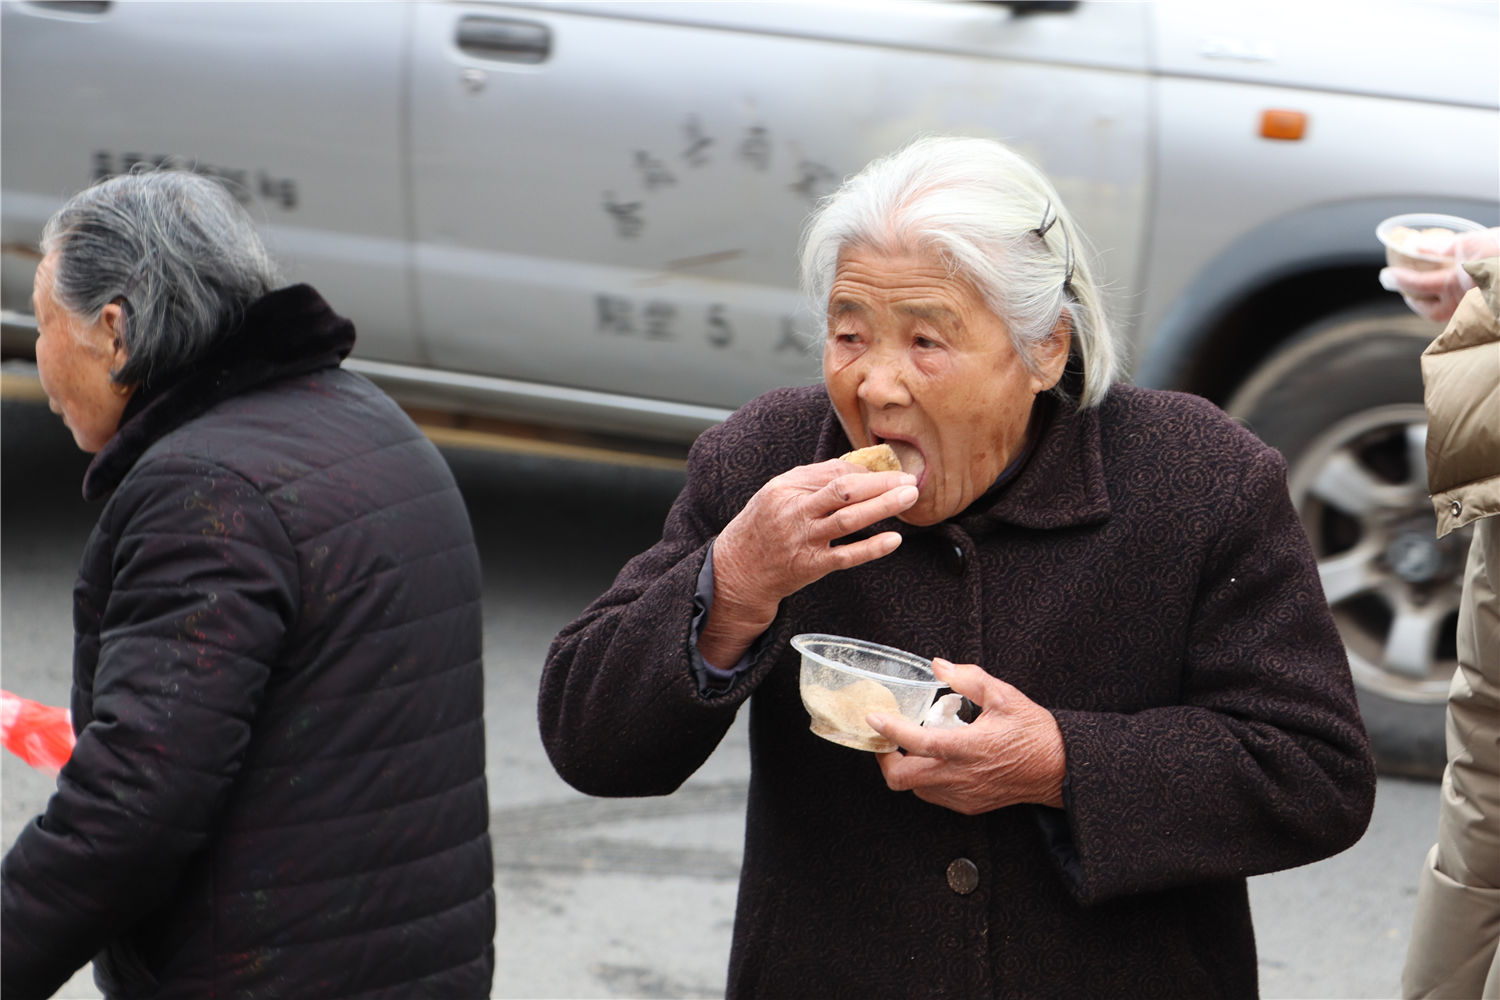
1048, 220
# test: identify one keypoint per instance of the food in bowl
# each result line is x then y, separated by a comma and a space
1405, 246
1407, 239
843, 680
839, 713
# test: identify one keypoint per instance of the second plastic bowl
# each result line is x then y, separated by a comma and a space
1399, 232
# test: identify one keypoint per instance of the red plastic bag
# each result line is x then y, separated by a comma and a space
41, 735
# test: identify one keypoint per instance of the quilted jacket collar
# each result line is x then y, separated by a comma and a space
289, 332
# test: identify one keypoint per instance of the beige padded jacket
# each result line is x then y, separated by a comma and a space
1455, 945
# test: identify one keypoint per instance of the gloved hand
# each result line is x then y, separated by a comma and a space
1435, 294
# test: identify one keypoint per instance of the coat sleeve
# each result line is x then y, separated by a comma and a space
619, 708
1265, 763
203, 590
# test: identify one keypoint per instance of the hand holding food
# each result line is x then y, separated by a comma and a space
783, 540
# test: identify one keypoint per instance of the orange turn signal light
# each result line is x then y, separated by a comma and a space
1278, 123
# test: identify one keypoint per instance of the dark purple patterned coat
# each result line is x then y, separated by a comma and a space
278, 788
1144, 577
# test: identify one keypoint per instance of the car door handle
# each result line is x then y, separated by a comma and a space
75, 7
1021, 8
505, 39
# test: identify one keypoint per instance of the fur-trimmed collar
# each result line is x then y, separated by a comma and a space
289, 332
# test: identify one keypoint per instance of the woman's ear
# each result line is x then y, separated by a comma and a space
110, 331
1051, 355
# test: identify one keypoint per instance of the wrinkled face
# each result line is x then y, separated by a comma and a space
74, 359
916, 359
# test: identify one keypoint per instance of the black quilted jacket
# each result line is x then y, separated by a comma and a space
278, 788
1145, 578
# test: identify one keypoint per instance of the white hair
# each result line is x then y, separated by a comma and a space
985, 211
175, 248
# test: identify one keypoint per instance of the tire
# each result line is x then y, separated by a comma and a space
1342, 401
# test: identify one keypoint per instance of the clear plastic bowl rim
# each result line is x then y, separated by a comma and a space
1426, 220
802, 642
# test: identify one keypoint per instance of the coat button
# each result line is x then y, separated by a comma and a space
1456, 507
963, 876
956, 559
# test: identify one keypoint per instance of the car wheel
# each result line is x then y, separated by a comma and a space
1343, 403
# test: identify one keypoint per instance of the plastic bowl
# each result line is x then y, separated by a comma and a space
843, 680
1399, 230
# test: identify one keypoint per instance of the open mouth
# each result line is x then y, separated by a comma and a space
911, 457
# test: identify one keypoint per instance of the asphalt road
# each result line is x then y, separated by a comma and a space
626, 898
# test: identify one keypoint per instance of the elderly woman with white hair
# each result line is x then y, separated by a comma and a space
278, 785
1115, 577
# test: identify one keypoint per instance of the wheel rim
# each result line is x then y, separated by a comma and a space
1394, 587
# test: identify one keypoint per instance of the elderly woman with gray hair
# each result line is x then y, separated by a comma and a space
1114, 577
278, 784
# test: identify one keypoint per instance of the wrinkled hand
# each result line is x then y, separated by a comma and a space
1012, 753
1435, 294
783, 540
